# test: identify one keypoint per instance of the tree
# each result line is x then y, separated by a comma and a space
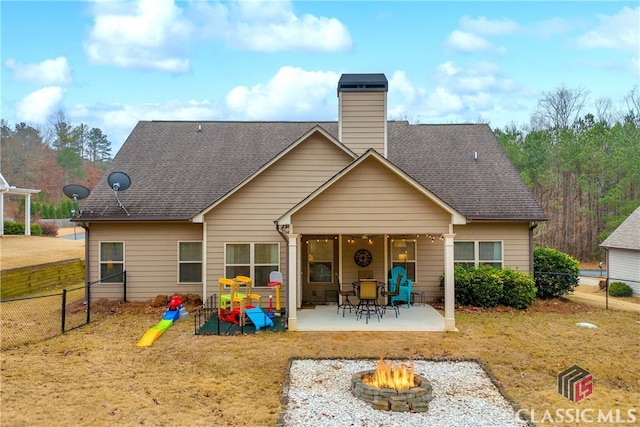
61, 131
98, 147
70, 162
560, 108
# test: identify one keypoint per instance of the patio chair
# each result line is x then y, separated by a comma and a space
345, 293
390, 294
368, 295
404, 292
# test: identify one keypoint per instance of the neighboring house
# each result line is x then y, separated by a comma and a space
5, 188
623, 252
219, 199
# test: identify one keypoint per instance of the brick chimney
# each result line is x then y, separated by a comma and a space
362, 115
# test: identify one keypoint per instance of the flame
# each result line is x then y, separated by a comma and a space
388, 375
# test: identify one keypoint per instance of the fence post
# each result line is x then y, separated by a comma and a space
64, 305
606, 294
88, 293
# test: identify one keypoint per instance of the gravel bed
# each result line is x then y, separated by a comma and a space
319, 394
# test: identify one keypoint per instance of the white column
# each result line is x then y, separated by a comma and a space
449, 288
27, 214
292, 283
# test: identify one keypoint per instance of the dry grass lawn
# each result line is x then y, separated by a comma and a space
97, 376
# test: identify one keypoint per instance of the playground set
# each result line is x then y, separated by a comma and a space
239, 305
175, 312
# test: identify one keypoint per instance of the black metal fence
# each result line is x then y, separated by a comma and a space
36, 318
594, 290
40, 317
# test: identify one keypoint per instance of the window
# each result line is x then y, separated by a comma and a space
403, 254
111, 262
255, 260
189, 262
472, 254
320, 259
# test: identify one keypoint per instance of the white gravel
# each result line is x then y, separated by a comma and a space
319, 394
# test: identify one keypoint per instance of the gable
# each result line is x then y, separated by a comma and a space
370, 198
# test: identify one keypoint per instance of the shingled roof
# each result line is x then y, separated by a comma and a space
180, 168
627, 235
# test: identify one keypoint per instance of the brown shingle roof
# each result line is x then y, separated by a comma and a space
178, 170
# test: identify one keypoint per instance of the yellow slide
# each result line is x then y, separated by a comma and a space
152, 334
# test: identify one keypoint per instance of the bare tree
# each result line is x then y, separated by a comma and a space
633, 105
604, 110
560, 108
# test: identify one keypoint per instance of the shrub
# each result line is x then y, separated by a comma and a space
518, 289
49, 228
17, 228
620, 289
480, 287
556, 273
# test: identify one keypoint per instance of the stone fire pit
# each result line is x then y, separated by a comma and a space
415, 399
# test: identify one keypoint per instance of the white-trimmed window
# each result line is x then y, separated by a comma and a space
111, 262
475, 253
255, 260
403, 254
190, 262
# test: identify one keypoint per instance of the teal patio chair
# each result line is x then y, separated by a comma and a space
404, 293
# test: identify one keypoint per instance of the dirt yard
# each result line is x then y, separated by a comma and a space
21, 251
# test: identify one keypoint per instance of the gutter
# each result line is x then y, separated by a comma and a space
532, 227
286, 240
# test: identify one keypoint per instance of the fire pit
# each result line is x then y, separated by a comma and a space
393, 388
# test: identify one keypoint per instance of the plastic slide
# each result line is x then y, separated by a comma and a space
258, 317
154, 333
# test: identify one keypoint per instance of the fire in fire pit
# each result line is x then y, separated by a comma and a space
393, 387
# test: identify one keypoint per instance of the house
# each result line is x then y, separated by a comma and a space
220, 199
10, 190
623, 252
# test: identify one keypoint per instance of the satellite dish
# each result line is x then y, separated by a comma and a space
75, 191
119, 181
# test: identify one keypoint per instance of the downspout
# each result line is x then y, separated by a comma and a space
286, 241
531, 228
87, 265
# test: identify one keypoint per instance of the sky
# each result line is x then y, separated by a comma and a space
110, 64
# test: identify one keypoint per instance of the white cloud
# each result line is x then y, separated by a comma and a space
620, 31
144, 35
37, 106
270, 26
489, 27
292, 93
463, 41
48, 72
480, 77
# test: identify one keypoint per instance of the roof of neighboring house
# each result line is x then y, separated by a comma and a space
627, 235
180, 168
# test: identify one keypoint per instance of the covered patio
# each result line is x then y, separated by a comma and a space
418, 318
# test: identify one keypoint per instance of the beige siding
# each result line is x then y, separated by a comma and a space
515, 238
371, 199
362, 121
248, 215
151, 258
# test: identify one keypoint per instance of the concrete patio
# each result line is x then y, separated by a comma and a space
418, 318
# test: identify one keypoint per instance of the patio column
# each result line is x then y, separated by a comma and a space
449, 288
292, 283
27, 214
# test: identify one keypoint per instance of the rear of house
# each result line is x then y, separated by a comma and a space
221, 199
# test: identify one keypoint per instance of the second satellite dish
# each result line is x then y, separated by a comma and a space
75, 191
119, 181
